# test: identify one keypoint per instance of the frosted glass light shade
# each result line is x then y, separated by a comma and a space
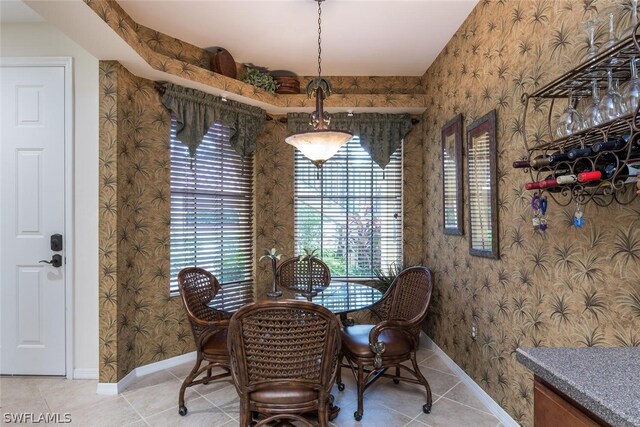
319, 145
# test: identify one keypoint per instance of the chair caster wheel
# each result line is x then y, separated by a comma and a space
182, 410
426, 409
396, 381
357, 416
341, 387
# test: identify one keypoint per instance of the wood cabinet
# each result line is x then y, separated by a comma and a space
552, 409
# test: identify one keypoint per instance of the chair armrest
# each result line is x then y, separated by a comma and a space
211, 328
378, 347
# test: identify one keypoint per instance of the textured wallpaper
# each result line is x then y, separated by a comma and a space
139, 322
568, 287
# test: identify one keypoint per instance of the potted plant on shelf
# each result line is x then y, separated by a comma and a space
259, 78
274, 256
308, 257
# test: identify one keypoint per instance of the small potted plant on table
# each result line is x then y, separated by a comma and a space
274, 256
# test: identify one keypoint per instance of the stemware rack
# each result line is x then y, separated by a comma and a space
578, 82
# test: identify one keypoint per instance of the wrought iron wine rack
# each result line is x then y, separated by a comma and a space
578, 81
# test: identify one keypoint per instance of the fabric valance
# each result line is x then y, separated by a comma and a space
197, 111
380, 134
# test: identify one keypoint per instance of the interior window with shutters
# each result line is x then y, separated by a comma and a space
212, 211
351, 210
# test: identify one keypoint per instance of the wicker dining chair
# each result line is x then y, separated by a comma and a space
198, 287
284, 357
293, 274
370, 350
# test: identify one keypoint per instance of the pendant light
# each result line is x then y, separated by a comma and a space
321, 143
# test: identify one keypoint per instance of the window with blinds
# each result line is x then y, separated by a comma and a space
351, 210
212, 212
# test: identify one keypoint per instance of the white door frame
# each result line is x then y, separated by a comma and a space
67, 64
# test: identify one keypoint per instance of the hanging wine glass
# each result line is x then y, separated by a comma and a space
592, 116
631, 91
570, 120
611, 105
612, 36
634, 21
591, 26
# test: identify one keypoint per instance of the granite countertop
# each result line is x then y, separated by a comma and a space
605, 381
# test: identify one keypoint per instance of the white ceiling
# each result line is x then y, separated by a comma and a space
359, 37
14, 11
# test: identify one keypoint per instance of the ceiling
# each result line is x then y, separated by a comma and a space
359, 37
14, 11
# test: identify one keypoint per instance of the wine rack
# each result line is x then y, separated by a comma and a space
578, 82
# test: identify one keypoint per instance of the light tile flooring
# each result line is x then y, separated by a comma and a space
152, 401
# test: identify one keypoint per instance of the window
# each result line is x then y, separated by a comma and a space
351, 210
212, 212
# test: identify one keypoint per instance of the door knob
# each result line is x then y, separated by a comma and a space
56, 260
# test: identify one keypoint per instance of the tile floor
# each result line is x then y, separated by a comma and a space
152, 401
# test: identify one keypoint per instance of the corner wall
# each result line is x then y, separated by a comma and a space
43, 39
569, 287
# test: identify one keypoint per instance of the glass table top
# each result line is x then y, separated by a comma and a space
338, 297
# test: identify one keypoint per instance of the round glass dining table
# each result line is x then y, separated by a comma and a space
339, 297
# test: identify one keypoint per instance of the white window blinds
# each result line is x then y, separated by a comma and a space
351, 210
479, 159
212, 212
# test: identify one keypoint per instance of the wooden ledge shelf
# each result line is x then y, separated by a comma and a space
160, 67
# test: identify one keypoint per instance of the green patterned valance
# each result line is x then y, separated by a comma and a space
380, 134
197, 111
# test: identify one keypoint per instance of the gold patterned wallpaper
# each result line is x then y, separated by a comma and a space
139, 322
569, 287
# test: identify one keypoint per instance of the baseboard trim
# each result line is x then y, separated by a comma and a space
85, 374
107, 389
141, 371
495, 409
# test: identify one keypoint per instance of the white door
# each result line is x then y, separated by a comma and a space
32, 298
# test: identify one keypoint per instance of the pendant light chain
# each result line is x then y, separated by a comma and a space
319, 38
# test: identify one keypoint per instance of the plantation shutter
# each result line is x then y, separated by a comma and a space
212, 212
351, 210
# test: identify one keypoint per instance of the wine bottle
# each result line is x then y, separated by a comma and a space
629, 171
541, 161
576, 153
550, 181
519, 164
614, 144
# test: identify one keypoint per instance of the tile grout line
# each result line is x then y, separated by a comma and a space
398, 412
434, 402
222, 410
205, 397
464, 404
134, 408
451, 373
442, 395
